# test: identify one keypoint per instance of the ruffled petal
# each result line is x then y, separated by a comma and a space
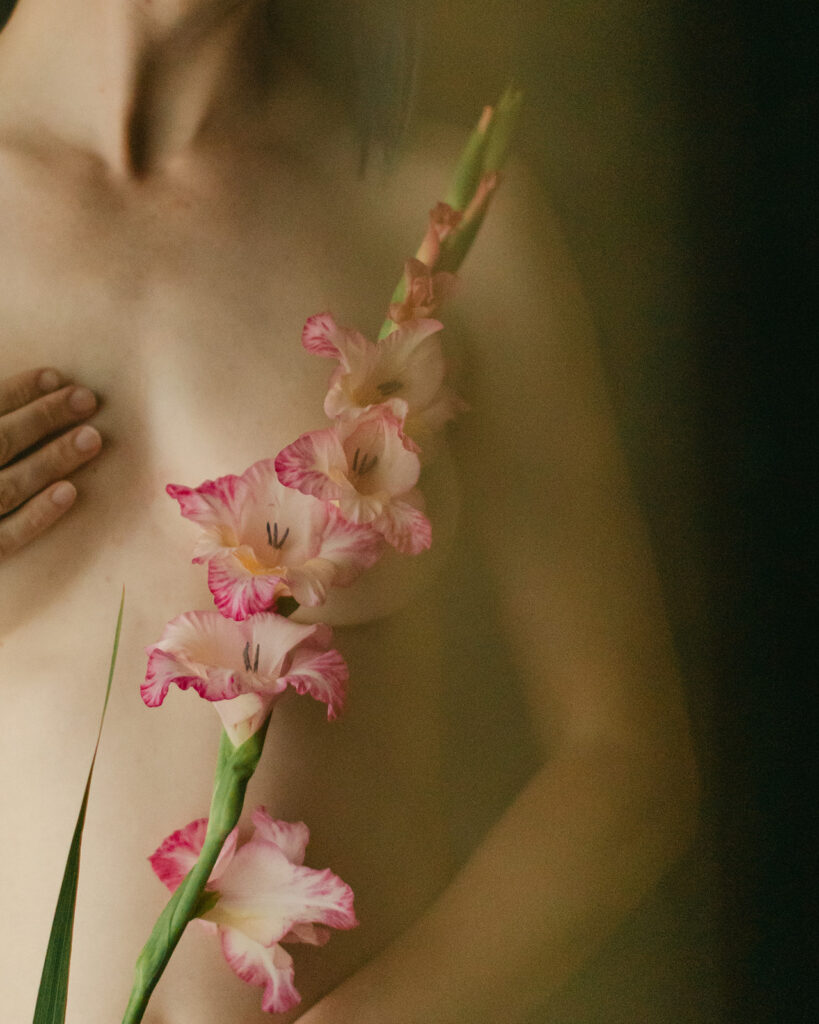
312, 464
405, 527
164, 669
268, 966
350, 547
239, 593
322, 336
212, 501
198, 650
319, 336
290, 837
177, 854
322, 674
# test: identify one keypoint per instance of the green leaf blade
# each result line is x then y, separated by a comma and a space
52, 996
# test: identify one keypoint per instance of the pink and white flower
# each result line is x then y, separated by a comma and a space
243, 667
262, 541
266, 896
369, 468
404, 371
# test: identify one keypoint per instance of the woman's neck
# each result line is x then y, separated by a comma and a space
133, 81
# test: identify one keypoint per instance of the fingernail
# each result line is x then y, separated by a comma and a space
82, 400
64, 494
87, 439
48, 380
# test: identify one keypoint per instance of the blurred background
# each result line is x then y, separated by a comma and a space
671, 140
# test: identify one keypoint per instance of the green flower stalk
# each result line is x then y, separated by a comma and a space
234, 768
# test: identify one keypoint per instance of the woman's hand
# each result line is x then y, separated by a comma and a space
38, 449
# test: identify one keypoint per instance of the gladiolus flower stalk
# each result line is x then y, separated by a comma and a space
234, 768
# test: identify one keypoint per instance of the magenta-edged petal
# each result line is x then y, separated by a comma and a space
405, 527
320, 673
271, 967
351, 548
165, 668
265, 895
311, 464
318, 336
196, 650
212, 501
290, 837
238, 593
177, 854
322, 336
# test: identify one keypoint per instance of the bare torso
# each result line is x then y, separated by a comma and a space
180, 299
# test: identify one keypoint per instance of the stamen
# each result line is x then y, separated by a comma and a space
246, 656
367, 463
269, 537
389, 387
256, 660
355, 460
274, 540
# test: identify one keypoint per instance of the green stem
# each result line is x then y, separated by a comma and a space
234, 768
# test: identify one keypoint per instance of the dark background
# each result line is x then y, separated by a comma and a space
672, 140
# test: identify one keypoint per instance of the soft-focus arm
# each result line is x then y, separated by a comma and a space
613, 803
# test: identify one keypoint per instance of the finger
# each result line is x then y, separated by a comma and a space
24, 427
56, 459
35, 516
17, 391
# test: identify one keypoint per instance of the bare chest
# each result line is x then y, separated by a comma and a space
183, 310
181, 303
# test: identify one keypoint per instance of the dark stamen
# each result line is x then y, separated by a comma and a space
355, 460
256, 660
246, 656
269, 537
389, 387
367, 463
274, 540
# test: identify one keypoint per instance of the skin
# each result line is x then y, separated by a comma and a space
182, 219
